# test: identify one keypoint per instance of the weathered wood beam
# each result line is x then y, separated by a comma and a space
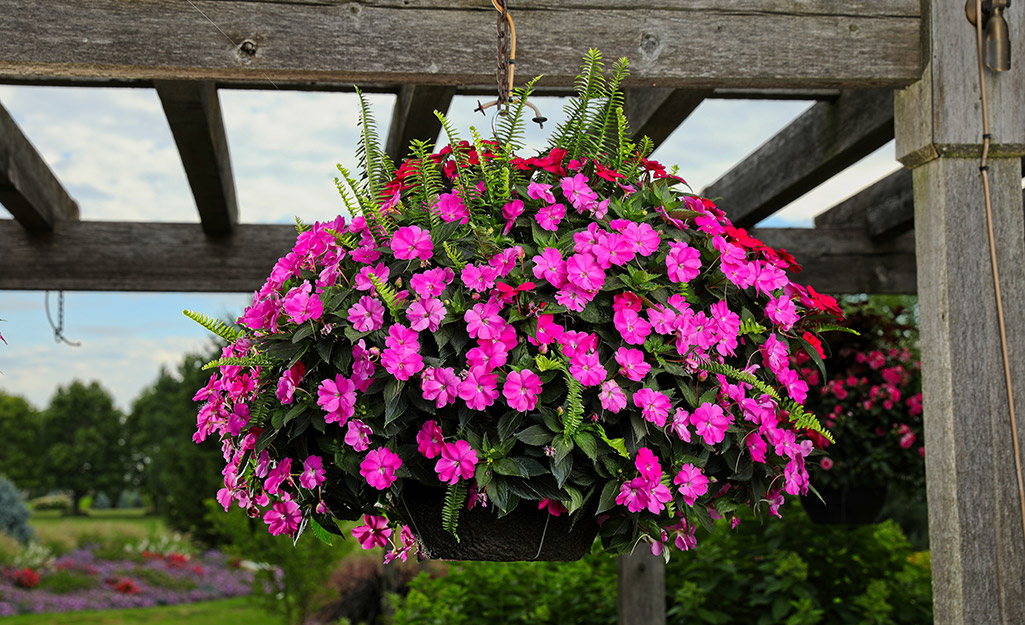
414, 116
821, 142
194, 114
28, 188
818, 43
113, 256
656, 112
640, 588
846, 260
886, 209
976, 508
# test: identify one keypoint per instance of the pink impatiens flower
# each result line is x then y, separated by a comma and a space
691, 483
440, 385
683, 263
631, 363
301, 305
430, 440
584, 271
484, 322
374, 533
338, 398
367, 314
379, 467
632, 327
431, 283
289, 382
587, 369
313, 472
480, 389
450, 207
410, 242
458, 460
357, 435
711, 423
426, 314
782, 312
549, 265
541, 191
522, 389
578, 193
612, 397
654, 405
283, 518
549, 217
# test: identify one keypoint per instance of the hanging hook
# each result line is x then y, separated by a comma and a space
507, 68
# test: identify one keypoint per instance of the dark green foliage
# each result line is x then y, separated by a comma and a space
19, 431
87, 446
63, 581
14, 513
175, 473
787, 572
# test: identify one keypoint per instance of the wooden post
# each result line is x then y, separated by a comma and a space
641, 588
975, 518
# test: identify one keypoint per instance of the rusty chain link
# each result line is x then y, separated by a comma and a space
504, 37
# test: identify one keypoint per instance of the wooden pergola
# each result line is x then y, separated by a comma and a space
879, 69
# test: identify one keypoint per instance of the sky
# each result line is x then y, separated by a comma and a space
113, 152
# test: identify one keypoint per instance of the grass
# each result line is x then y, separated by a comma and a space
238, 610
54, 528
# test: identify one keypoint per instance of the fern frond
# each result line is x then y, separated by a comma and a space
455, 499
368, 208
240, 361
221, 329
741, 376
354, 208
601, 126
574, 415
750, 326
544, 363
347, 239
511, 134
805, 420
300, 225
454, 255
386, 293
259, 412
466, 180
428, 181
376, 166
569, 133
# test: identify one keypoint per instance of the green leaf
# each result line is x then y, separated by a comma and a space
709, 396
617, 444
562, 469
506, 466
302, 332
536, 435
563, 447
587, 444
608, 496
320, 532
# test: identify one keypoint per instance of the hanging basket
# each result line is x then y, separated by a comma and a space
525, 534
855, 506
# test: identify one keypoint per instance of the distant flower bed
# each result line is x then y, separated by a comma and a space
81, 580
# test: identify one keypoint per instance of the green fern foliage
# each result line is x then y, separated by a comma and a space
428, 186
387, 294
240, 361
373, 161
453, 255
750, 326
300, 225
221, 329
574, 415
455, 499
805, 420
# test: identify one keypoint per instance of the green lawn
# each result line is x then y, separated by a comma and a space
239, 610
52, 527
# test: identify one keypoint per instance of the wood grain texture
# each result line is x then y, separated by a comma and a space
886, 209
121, 256
949, 91
685, 43
28, 188
820, 143
414, 117
641, 588
975, 523
656, 112
194, 114
111, 256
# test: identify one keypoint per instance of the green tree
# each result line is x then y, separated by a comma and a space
86, 443
19, 431
176, 474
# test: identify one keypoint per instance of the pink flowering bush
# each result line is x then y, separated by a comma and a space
573, 331
871, 402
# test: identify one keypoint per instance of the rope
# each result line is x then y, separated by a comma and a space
506, 51
984, 170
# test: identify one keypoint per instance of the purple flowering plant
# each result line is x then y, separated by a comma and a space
573, 331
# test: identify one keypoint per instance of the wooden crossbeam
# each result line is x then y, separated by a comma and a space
885, 209
820, 143
786, 44
194, 114
846, 260
113, 256
656, 112
414, 116
28, 188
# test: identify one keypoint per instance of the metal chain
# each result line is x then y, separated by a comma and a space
58, 328
503, 52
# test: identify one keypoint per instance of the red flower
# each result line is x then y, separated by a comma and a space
26, 578
126, 587
608, 174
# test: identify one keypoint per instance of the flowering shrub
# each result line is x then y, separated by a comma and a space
572, 331
871, 403
25, 578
